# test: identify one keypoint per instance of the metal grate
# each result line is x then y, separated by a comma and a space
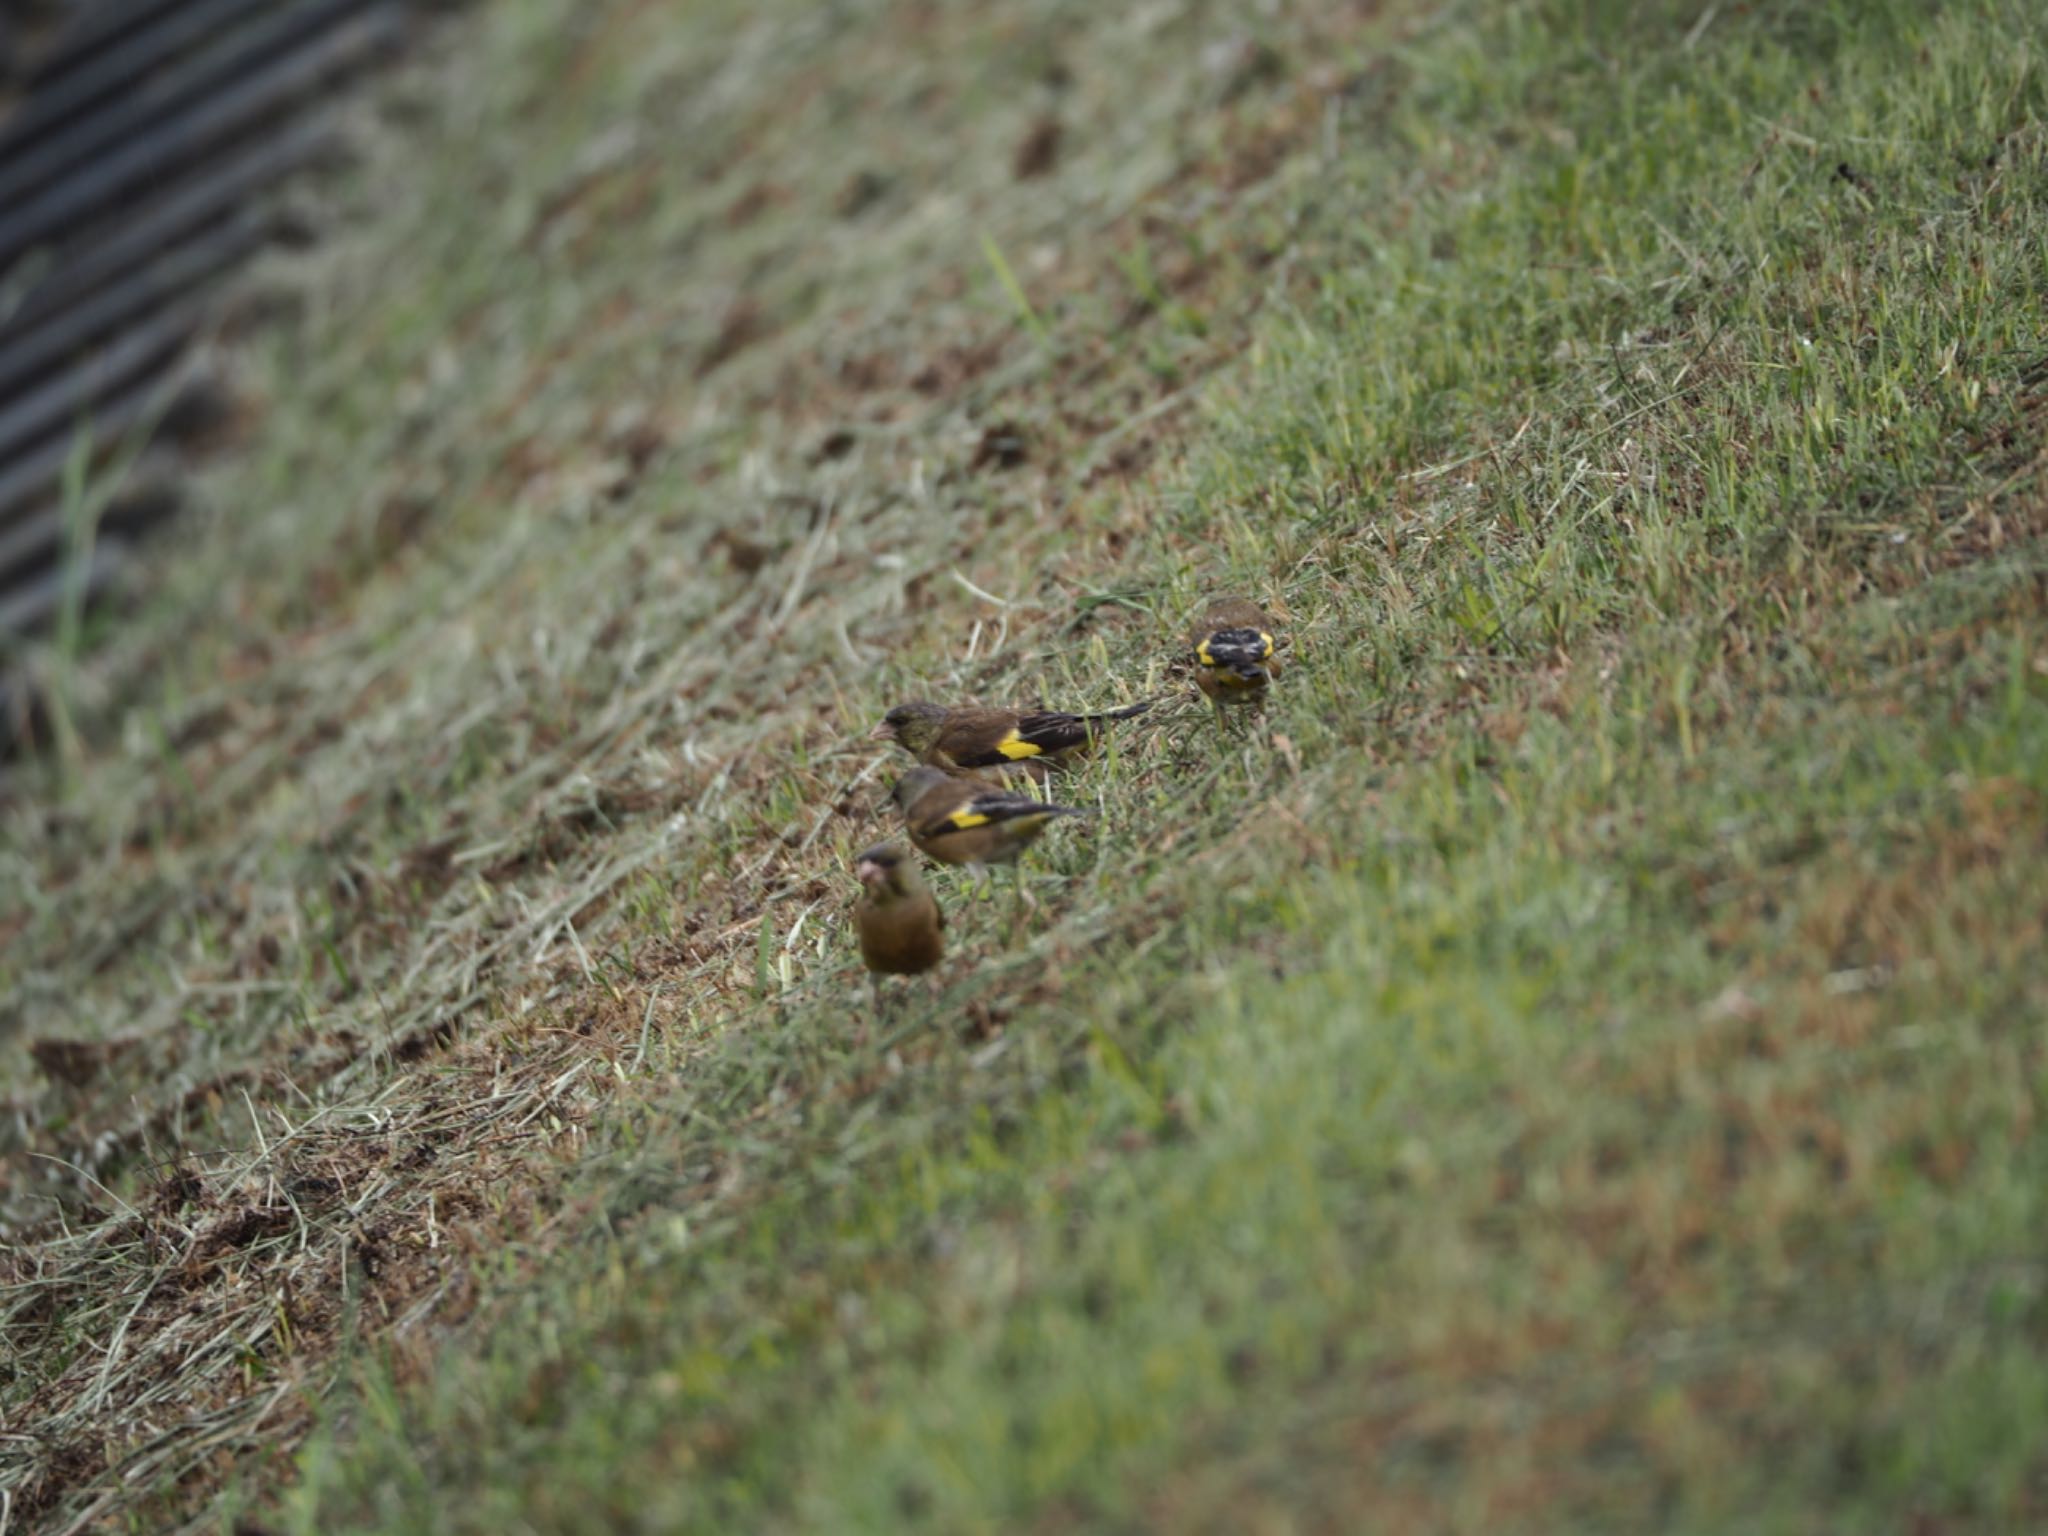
137, 138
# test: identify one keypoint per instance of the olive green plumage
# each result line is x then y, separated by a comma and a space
978, 736
902, 931
963, 821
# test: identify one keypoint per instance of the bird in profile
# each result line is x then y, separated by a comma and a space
902, 931
973, 736
1232, 641
963, 821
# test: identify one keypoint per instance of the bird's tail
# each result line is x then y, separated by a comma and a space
1044, 810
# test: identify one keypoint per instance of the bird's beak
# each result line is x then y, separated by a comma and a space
869, 873
883, 732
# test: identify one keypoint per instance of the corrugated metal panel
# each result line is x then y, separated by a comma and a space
137, 141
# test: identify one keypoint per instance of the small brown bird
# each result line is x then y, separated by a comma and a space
972, 736
902, 931
1233, 644
962, 821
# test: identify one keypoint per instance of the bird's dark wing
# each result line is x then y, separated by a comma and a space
1053, 730
985, 738
987, 809
1237, 648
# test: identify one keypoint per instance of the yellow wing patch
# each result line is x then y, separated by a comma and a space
1016, 748
964, 818
1202, 655
1269, 641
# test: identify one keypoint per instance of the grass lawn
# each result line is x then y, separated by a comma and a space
1577, 1064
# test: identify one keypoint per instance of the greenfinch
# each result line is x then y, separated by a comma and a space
972, 736
963, 821
1232, 641
902, 931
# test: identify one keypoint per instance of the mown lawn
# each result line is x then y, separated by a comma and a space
1577, 1066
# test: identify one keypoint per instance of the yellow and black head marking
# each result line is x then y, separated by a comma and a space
901, 929
970, 736
1233, 644
961, 821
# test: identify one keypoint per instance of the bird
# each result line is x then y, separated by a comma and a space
973, 736
902, 931
963, 821
1232, 641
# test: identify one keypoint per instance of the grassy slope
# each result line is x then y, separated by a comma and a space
1583, 1072
630, 341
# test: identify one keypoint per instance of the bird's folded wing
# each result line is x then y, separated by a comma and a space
983, 810
1231, 646
980, 746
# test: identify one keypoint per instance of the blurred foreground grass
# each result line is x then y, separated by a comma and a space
1579, 1068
